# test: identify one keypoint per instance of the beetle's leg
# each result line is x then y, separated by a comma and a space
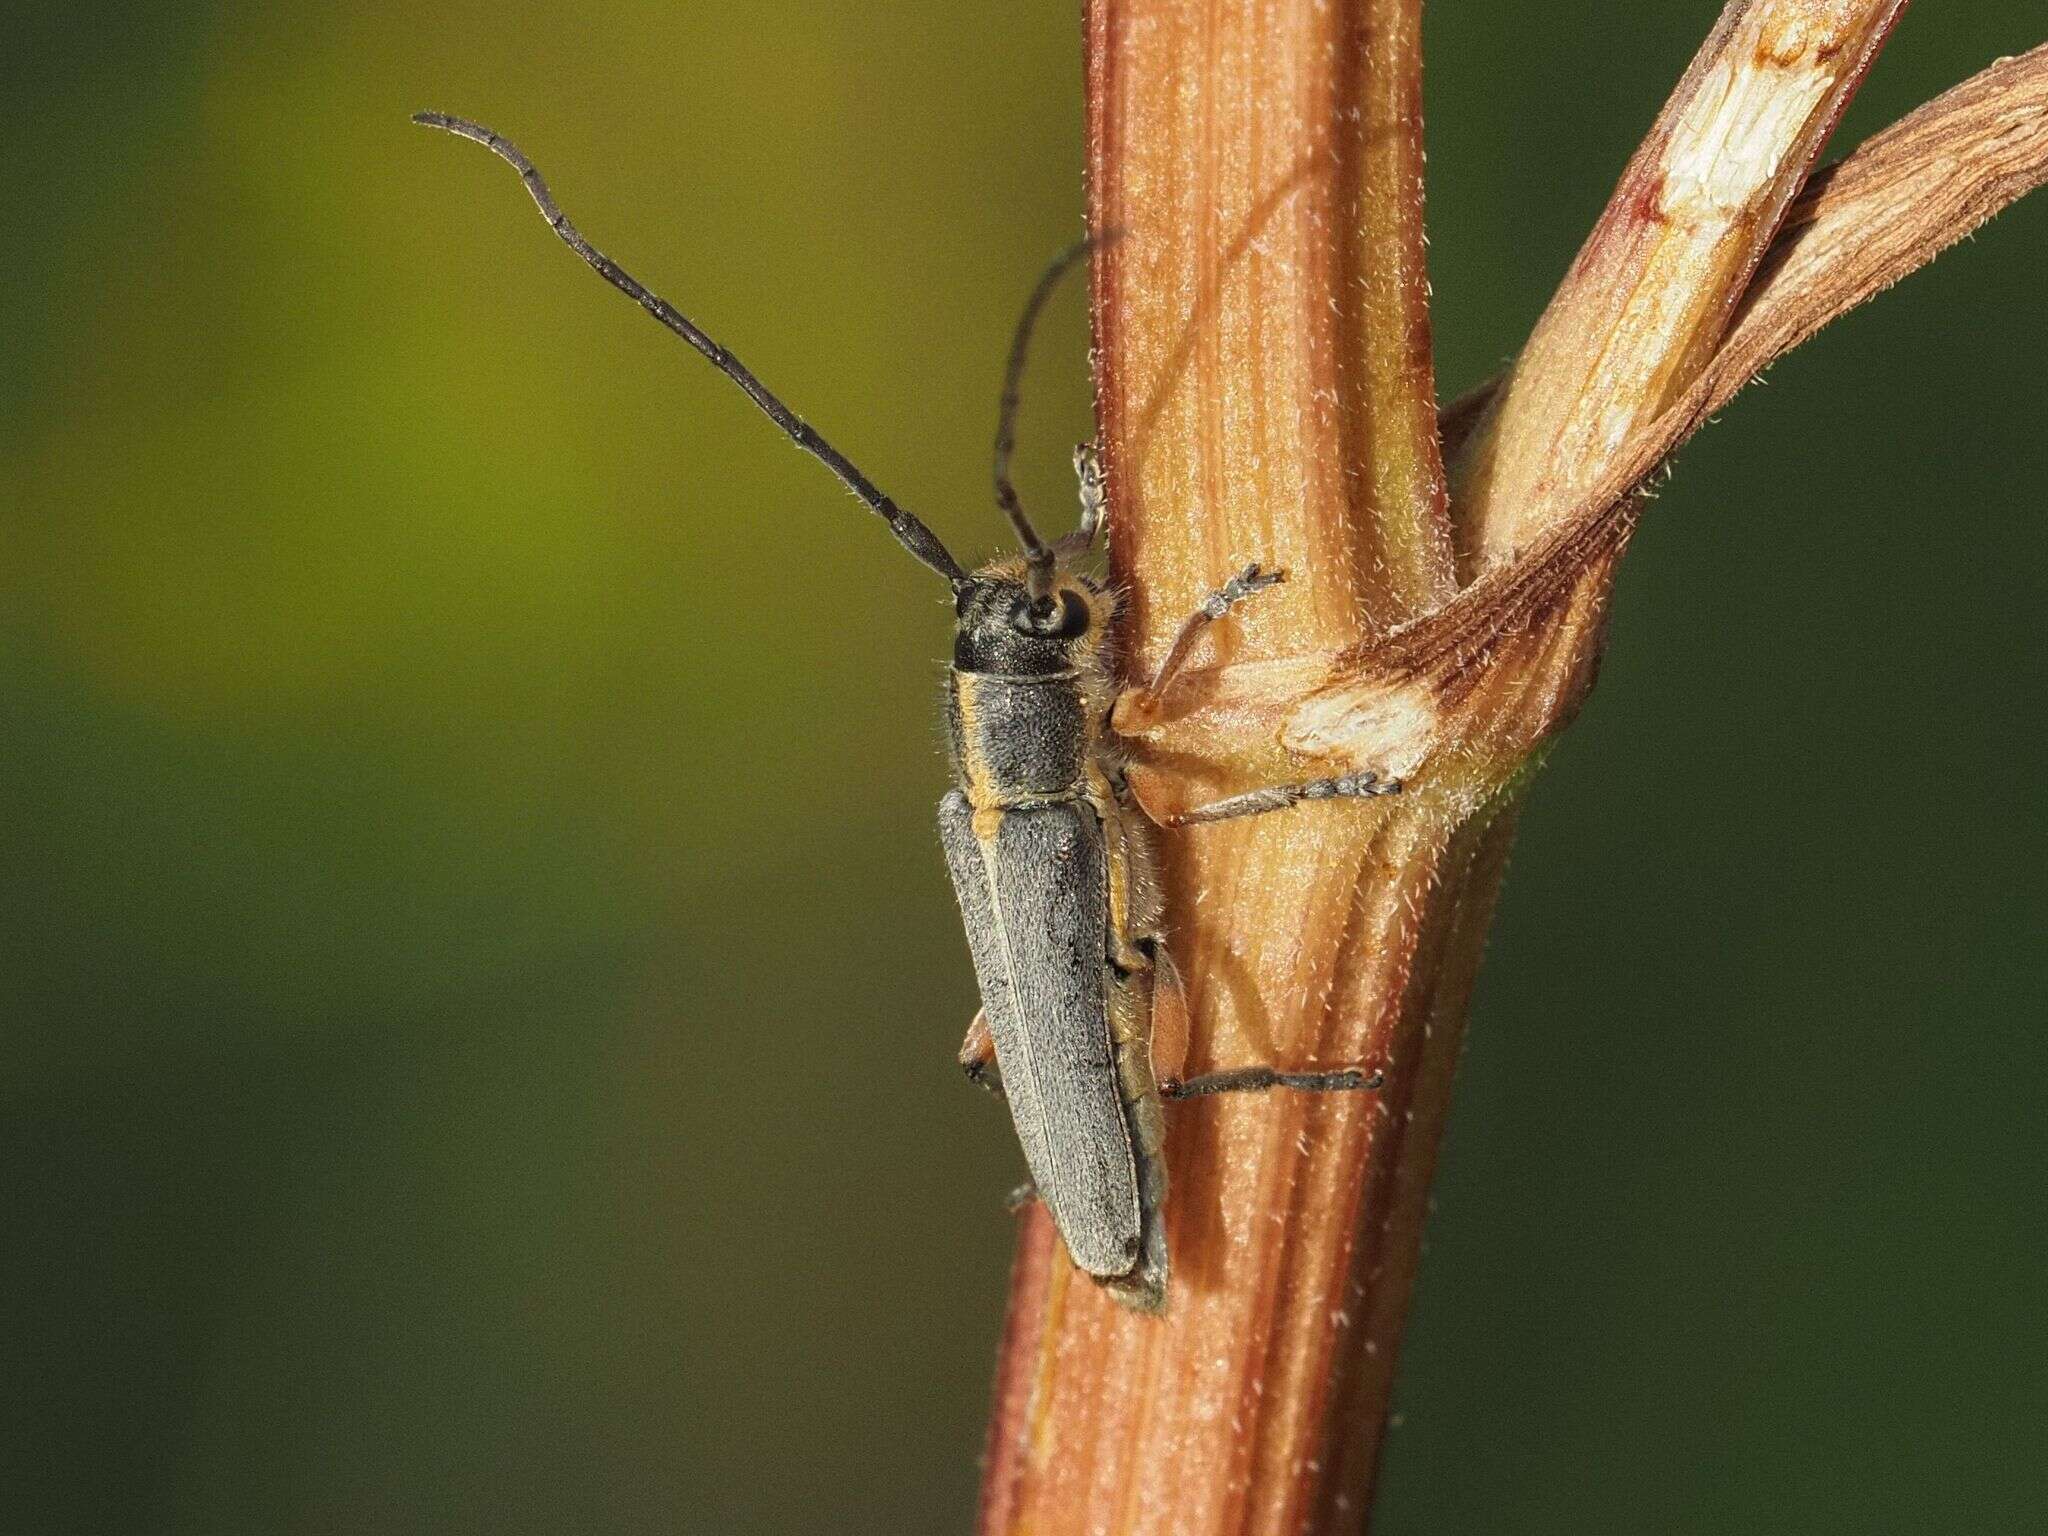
978, 1056
1132, 1051
1094, 501
1279, 797
1131, 979
1244, 584
1133, 1005
1255, 1079
1169, 1017
1127, 952
1134, 992
1170, 1050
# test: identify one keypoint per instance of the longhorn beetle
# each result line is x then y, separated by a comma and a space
1084, 1018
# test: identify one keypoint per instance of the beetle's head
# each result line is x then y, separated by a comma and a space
1002, 629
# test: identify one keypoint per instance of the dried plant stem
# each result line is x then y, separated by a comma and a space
1265, 394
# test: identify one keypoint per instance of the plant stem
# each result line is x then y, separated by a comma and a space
1265, 394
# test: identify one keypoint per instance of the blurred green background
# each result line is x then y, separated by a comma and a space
480, 988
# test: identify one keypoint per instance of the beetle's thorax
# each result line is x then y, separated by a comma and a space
1024, 705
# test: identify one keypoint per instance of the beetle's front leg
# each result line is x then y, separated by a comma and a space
1245, 584
1144, 702
1094, 499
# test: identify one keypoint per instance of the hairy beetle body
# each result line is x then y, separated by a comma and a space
1054, 887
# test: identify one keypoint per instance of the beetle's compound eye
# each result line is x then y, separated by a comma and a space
1074, 615
1062, 618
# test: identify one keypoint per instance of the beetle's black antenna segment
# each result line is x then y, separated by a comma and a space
910, 532
1037, 554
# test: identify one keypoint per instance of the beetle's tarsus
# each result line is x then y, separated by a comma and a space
1094, 501
1363, 785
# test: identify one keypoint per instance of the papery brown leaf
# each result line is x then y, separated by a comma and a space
1897, 202
1654, 286
1905, 196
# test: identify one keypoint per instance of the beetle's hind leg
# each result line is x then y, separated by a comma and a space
1133, 1012
1257, 1079
1170, 1049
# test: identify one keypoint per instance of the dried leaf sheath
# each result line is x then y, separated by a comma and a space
1652, 289
1887, 209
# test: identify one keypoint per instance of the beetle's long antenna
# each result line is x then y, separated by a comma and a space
1037, 554
910, 532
